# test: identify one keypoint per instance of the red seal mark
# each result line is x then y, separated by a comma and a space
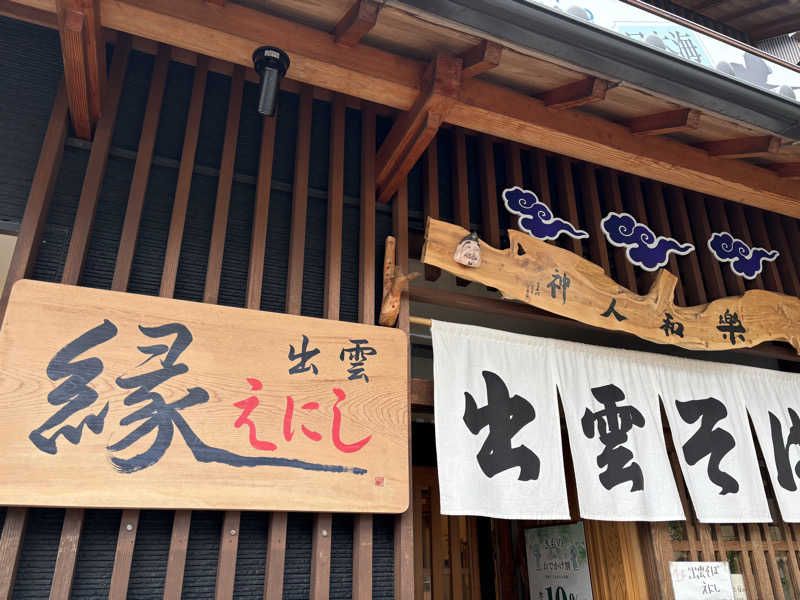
379, 482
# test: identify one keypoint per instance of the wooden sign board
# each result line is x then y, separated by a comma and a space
120, 400
564, 283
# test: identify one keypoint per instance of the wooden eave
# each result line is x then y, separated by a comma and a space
387, 66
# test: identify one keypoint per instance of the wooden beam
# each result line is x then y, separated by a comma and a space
430, 176
297, 232
413, 130
219, 228
141, 172
788, 170
181, 202
83, 50
671, 121
419, 143
356, 23
72, 29
480, 58
38, 203
404, 523
743, 147
64, 571
228, 550
362, 526
575, 94
29, 14
176, 560
232, 32
96, 167
11, 548
123, 557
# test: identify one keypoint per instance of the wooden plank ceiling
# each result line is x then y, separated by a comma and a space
758, 19
439, 76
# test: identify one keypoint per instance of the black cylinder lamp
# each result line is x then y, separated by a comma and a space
271, 65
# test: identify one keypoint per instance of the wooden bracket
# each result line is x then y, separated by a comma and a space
83, 50
394, 282
480, 58
576, 93
671, 121
413, 131
356, 23
743, 147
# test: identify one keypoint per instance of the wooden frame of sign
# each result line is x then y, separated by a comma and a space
561, 282
110, 399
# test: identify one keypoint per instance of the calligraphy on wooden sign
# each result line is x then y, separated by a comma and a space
564, 283
117, 400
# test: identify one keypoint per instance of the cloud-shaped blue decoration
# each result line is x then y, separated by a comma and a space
745, 261
644, 248
535, 216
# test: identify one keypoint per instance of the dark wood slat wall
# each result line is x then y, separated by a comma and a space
181, 202
96, 168
141, 171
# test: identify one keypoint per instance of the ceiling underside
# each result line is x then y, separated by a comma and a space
758, 19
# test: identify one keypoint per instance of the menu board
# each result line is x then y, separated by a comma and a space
701, 580
739, 593
558, 566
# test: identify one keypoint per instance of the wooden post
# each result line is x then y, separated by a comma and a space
615, 561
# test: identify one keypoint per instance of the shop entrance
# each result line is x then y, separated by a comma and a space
454, 554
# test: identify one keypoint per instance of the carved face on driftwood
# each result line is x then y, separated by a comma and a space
468, 251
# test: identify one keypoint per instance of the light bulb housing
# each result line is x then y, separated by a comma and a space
271, 64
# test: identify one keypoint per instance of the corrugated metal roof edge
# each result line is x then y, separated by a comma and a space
605, 53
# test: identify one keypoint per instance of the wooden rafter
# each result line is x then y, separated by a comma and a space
356, 22
743, 147
83, 51
775, 27
413, 131
375, 75
746, 12
672, 121
480, 58
575, 94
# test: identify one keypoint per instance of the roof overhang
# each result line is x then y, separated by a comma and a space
538, 29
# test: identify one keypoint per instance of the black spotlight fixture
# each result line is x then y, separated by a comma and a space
271, 64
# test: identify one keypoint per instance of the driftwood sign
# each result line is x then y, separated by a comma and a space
564, 283
121, 400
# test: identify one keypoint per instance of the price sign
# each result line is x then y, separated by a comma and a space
739, 593
706, 580
558, 566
